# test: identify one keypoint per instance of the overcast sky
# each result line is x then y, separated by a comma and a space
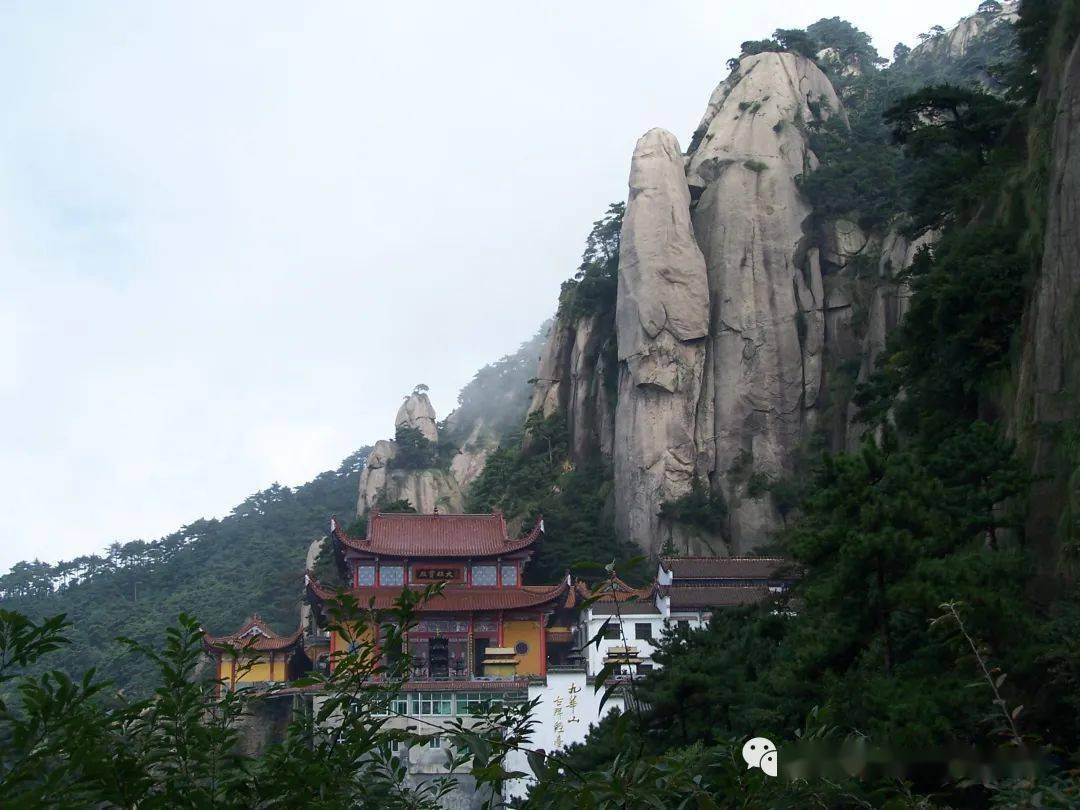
234, 234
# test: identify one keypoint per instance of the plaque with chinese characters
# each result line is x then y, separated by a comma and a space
437, 574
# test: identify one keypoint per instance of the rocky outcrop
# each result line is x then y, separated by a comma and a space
427, 489
763, 349
417, 412
662, 317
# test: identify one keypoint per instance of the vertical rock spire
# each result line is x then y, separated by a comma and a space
662, 318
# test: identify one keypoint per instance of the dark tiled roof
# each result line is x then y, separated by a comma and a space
641, 607
454, 598
408, 535
694, 596
266, 640
728, 567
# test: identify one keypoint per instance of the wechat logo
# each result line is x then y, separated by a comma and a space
761, 753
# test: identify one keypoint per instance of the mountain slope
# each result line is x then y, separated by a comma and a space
217, 570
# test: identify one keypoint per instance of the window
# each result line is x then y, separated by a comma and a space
435, 742
521, 648
683, 624
395, 746
400, 704
365, 575
644, 667
476, 703
643, 631
432, 703
509, 575
483, 575
392, 575
611, 631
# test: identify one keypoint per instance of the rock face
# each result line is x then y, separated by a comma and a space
1048, 376
662, 317
574, 379
762, 368
722, 315
887, 305
957, 41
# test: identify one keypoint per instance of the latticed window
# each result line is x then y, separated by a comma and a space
365, 575
432, 704
484, 575
392, 575
509, 575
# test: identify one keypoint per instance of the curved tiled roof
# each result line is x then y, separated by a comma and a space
695, 596
453, 598
613, 590
728, 567
410, 535
265, 639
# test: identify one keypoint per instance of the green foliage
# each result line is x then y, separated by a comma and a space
756, 166
859, 174
797, 41
541, 480
969, 296
700, 507
852, 45
948, 134
66, 744
414, 450
250, 561
755, 46
592, 289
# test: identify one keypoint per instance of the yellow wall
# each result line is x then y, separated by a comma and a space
260, 670
528, 631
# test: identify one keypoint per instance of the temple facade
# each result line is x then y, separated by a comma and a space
485, 625
255, 655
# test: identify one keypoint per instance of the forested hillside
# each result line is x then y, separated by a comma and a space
221, 571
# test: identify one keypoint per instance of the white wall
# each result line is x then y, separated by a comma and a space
554, 708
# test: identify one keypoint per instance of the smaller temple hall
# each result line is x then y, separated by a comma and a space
264, 656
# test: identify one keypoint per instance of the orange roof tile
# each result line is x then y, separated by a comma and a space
265, 639
410, 535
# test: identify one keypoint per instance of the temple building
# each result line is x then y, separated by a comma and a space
685, 593
489, 638
486, 625
261, 655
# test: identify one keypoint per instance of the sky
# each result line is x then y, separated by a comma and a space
234, 235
